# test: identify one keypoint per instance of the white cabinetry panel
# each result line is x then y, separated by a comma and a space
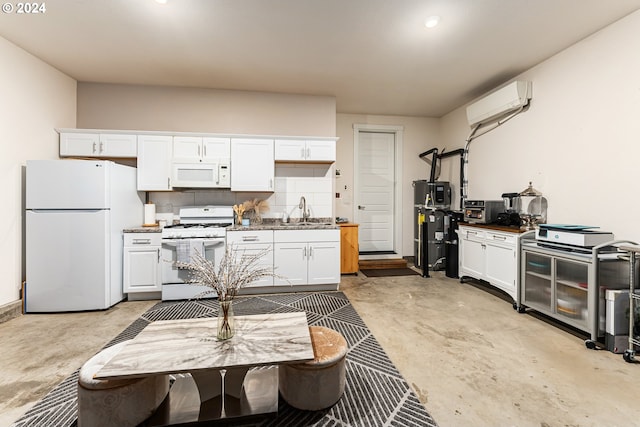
300, 150
154, 163
111, 145
252, 164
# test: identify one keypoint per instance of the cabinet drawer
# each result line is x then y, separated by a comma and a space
142, 239
472, 234
286, 236
250, 236
500, 238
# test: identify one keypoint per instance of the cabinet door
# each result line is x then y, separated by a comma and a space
324, 263
537, 280
118, 145
154, 163
321, 151
216, 148
472, 258
501, 267
79, 144
142, 269
290, 261
572, 287
348, 248
187, 148
252, 165
290, 149
266, 261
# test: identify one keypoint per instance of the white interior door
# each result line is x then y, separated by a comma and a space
375, 192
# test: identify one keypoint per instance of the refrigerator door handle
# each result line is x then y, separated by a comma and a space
64, 210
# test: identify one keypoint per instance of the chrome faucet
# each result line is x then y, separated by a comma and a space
303, 206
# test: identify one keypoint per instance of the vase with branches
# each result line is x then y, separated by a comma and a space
236, 269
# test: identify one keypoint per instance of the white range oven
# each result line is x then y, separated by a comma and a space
202, 229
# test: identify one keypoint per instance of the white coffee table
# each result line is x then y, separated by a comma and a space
215, 379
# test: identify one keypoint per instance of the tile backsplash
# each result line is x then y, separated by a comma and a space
292, 181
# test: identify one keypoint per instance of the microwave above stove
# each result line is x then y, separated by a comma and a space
202, 175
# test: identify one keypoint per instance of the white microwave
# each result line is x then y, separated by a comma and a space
202, 175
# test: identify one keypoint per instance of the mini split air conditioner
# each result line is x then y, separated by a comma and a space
499, 103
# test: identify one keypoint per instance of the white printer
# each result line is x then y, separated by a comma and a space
572, 235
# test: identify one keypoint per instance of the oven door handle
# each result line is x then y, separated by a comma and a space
207, 243
214, 243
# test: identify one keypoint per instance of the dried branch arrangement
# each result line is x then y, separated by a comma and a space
236, 270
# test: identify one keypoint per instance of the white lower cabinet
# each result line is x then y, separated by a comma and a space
251, 243
142, 263
307, 257
492, 256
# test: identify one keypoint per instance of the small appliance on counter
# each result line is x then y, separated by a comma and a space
482, 211
510, 216
533, 208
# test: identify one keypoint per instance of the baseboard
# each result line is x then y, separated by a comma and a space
10, 311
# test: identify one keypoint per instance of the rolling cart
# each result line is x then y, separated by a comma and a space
634, 299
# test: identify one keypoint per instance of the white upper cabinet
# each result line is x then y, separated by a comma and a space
252, 164
300, 150
110, 145
154, 163
190, 149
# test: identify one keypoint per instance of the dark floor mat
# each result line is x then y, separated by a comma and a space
386, 272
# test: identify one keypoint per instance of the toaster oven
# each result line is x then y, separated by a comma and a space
482, 211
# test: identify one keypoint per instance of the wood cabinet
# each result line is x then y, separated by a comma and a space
154, 163
492, 256
142, 268
349, 253
108, 145
307, 257
252, 164
252, 243
302, 150
196, 149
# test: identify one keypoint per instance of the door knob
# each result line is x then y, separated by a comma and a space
361, 207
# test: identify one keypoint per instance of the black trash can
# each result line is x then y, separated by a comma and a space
451, 244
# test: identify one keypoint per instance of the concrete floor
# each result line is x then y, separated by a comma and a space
472, 359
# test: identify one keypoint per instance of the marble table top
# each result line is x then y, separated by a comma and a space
190, 345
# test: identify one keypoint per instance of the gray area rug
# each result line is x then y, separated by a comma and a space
375, 392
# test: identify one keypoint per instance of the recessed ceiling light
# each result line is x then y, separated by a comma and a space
162, 1
432, 21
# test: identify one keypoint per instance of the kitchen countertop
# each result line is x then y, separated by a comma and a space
508, 229
142, 229
276, 224
267, 224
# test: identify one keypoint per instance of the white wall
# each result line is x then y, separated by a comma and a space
35, 100
134, 107
419, 134
579, 142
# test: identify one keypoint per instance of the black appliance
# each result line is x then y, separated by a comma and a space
451, 244
431, 202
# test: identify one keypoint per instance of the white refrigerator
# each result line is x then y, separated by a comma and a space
75, 213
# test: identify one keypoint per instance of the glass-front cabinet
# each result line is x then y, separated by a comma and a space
570, 285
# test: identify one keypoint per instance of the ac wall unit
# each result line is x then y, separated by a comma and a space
500, 102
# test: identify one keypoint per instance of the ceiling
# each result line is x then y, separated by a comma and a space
374, 56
